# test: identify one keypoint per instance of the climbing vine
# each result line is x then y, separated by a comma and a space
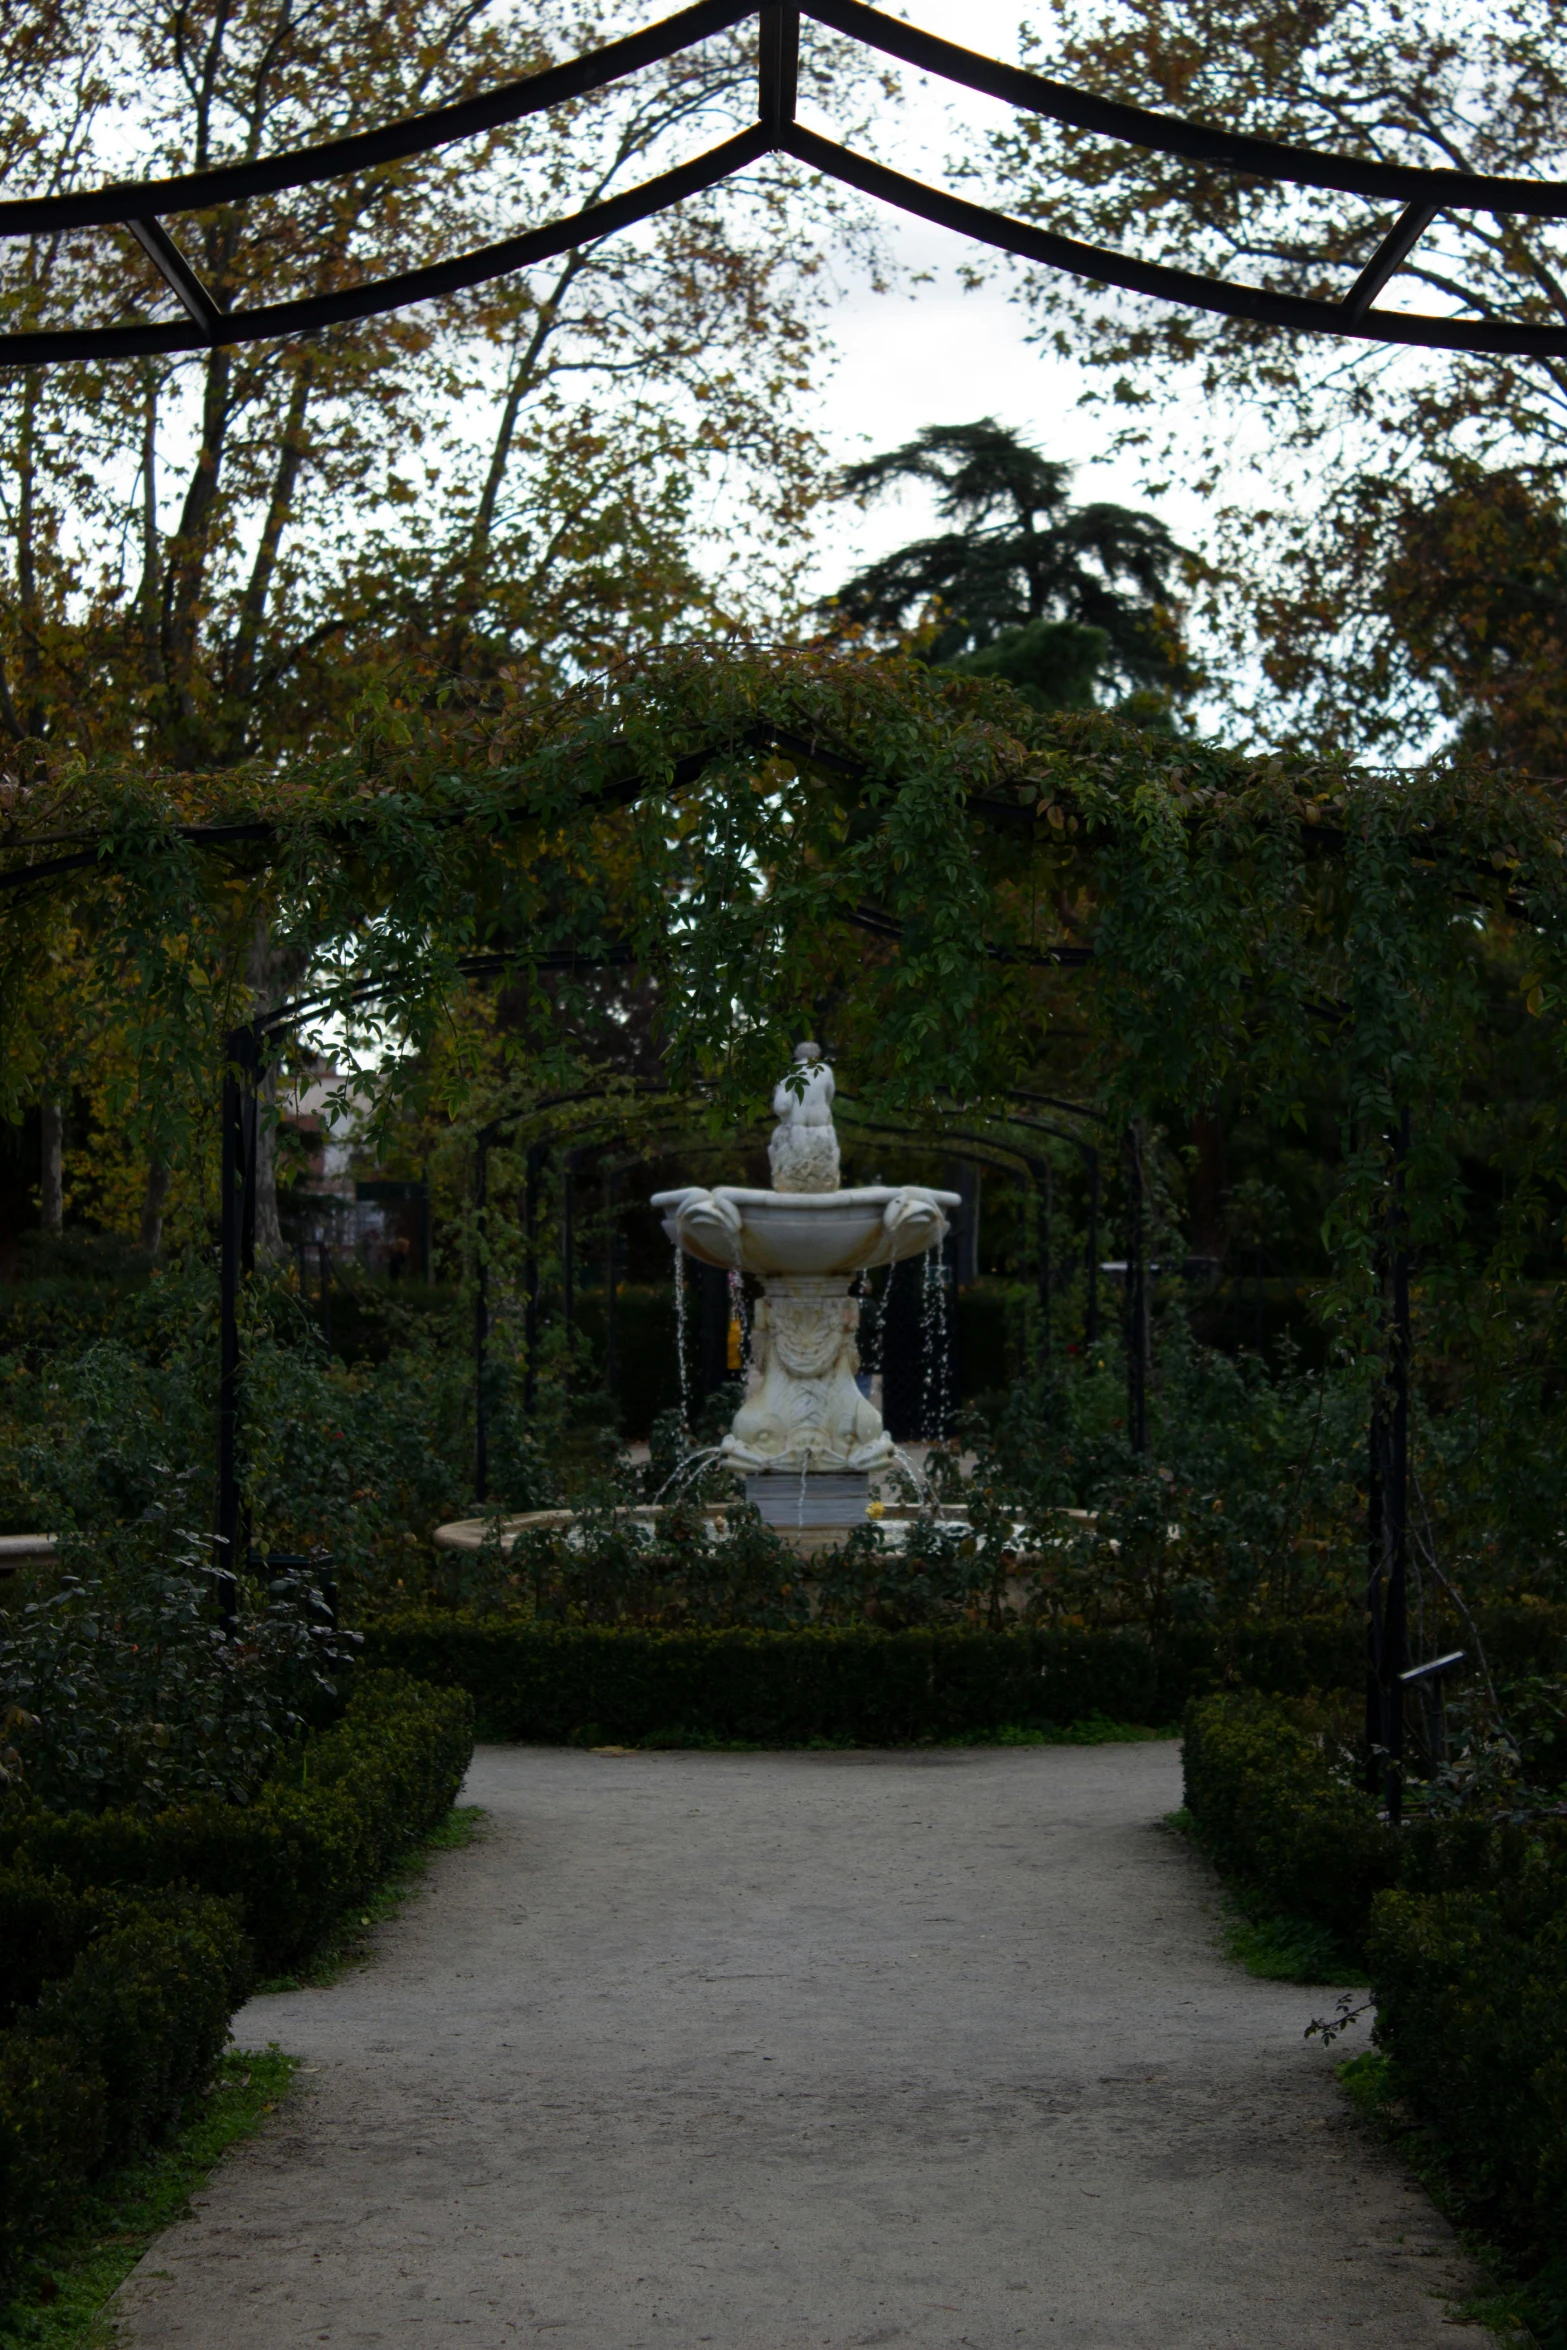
918, 864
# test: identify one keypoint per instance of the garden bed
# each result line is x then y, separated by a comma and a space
131, 1940
597, 1684
1461, 1918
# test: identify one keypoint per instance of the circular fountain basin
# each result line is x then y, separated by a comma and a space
892, 1519
804, 1232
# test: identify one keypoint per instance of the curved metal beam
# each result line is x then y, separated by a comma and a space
274, 321
1186, 288
1172, 134
1420, 193
125, 201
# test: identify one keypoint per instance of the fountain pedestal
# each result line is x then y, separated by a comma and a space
807, 1427
791, 1504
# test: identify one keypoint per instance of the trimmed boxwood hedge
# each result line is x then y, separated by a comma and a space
1471, 1993
316, 1838
1269, 1811
611, 1684
1463, 1921
105, 2060
129, 1942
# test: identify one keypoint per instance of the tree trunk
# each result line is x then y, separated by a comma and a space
269, 1229
150, 598
242, 661
152, 1204
51, 1122
29, 611
268, 975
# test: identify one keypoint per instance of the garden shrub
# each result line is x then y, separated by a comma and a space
105, 2060
1272, 1811
1471, 1992
44, 1922
1462, 1915
782, 1688
53, 2129
786, 1686
124, 1689
147, 2005
347, 1804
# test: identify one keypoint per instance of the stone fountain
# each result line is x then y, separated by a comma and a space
806, 1441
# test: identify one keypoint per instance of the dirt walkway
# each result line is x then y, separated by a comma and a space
779, 2051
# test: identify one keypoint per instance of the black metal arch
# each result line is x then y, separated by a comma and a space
140, 206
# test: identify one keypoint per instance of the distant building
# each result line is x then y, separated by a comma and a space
380, 1224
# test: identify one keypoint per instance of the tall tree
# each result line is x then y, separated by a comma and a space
1453, 590
1324, 426
1025, 585
204, 553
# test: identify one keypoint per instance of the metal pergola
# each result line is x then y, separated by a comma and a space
207, 320
246, 1056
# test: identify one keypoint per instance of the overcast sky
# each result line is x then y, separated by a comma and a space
929, 353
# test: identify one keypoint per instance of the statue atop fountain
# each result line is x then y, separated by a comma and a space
803, 1148
806, 1441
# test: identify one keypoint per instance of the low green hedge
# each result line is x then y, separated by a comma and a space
1463, 1920
1471, 1993
128, 1942
104, 2061
316, 1838
623, 1685
784, 1688
1270, 1811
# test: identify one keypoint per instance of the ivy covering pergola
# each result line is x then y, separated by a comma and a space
759, 836
918, 863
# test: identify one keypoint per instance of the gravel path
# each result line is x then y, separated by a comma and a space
779, 2051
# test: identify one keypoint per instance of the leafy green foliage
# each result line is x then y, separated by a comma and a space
1301, 917
106, 2060
787, 1686
1272, 1809
120, 1999
319, 1833
70, 2275
1463, 1922
1245, 1501
133, 1695
1318, 578
1472, 2010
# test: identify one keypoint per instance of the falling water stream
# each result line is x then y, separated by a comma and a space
915, 1474
687, 1469
932, 1333
739, 1314
680, 1336
880, 1321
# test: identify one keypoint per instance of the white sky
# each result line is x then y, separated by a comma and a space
931, 353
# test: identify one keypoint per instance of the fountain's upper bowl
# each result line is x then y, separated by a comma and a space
805, 1232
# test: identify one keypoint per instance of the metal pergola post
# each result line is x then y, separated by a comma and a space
611, 1281
481, 1320
533, 1176
1137, 1331
1091, 1314
1387, 1514
1046, 1214
236, 1262
568, 1299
